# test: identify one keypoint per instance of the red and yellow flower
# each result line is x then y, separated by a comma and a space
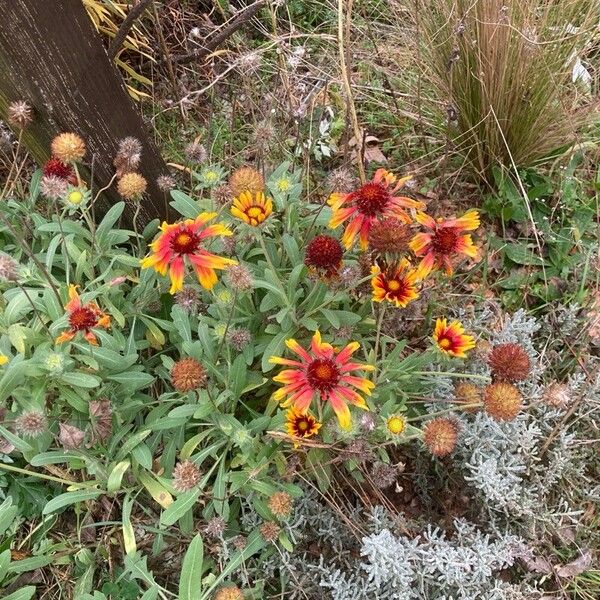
300, 425
374, 200
252, 208
445, 240
179, 241
395, 283
323, 373
82, 318
452, 339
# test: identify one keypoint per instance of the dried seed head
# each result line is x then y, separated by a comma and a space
270, 531
70, 437
222, 194
189, 299
186, 476
53, 187
509, 362
132, 186
215, 527
367, 422
502, 401
31, 424
229, 245
440, 436
20, 114
246, 179
101, 417
239, 542
389, 236
128, 155
9, 268
341, 180
281, 504
231, 592
383, 475
196, 152
165, 183
557, 395
239, 278
238, 337
188, 374
68, 147
467, 393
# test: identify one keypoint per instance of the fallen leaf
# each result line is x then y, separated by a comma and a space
576, 567
70, 437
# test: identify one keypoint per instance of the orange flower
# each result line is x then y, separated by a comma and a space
451, 339
180, 240
444, 241
82, 317
252, 208
396, 284
301, 425
374, 200
323, 372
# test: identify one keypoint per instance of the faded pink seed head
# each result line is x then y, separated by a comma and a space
31, 424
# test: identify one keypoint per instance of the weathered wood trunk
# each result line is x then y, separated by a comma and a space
52, 57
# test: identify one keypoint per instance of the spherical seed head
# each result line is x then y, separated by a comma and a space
31, 424
557, 395
509, 362
467, 393
189, 299
68, 147
238, 337
341, 180
389, 236
9, 268
239, 278
239, 542
196, 152
132, 186
367, 422
53, 187
165, 183
188, 374
20, 114
130, 147
383, 475
281, 504
215, 527
502, 401
324, 253
270, 531
222, 194
231, 592
186, 476
246, 179
440, 436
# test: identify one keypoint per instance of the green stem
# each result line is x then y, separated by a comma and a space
47, 477
438, 413
485, 378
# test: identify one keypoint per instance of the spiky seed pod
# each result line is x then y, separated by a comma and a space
222, 194
509, 362
467, 393
557, 395
165, 183
246, 179
188, 299
440, 436
240, 542
231, 592
324, 253
196, 152
281, 504
20, 114
128, 155
186, 476
9, 268
238, 337
270, 531
187, 375
53, 187
502, 401
31, 424
68, 147
215, 527
383, 475
341, 180
132, 186
239, 278
389, 236
367, 422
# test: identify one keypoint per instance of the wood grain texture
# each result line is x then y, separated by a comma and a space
52, 57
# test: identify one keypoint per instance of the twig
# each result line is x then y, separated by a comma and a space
135, 12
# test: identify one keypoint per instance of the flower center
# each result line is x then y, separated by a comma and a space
393, 285
185, 242
445, 343
371, 199
444, 240
302, 425
83, 319
323, 374
75, 197
255, 211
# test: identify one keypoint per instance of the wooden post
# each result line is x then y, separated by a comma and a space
52, 57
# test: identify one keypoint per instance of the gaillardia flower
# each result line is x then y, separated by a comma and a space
324, 254
300, 425
180, 240
252, 208
324, 373
445, 240
395, 283
452, 339
82, 318
374, 200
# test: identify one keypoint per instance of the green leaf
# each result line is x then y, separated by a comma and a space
4, 562
180, 507
191, 570
70, 498
110, 218
53, 458
184, 205
160, 493
522, 255
128, 533
274, 348
25, 593
29, 564
83, 380
116, 476
8, 512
